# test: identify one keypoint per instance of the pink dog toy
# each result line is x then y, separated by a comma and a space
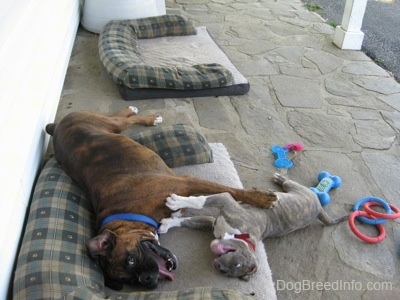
295, 147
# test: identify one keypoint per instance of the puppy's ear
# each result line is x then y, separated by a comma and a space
245, 277
252, 271
101, 244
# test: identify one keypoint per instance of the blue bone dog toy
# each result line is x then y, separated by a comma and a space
326, 183
281, 161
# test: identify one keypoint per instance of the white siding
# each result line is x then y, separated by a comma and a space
36, 37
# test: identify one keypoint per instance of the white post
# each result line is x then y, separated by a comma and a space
349, 35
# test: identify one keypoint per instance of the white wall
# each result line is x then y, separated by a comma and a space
36, 42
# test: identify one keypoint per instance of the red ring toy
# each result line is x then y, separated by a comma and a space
375, 213
359, 234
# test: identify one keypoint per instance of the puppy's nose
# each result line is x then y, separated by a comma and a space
217, 265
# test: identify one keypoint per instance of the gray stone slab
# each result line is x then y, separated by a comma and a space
284, 29
392, 100
385, 170
295, 21
293, 53
364, 101
256, 66
217, 118
254, 32
364, 68
296, 71
365, 114
323, 28
255, 47
297, 92
321, 130
393, 118
340, 85
260, 13
374, 134
375, 259
378, 84
325, 61
302, 40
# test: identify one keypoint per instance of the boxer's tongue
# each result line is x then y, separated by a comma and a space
162, 269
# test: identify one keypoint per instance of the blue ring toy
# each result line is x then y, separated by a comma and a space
372, 221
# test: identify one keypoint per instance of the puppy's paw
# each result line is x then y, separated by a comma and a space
275, 203
279, 179
175, 202
158, 120
134, 109
177, 214
167, 223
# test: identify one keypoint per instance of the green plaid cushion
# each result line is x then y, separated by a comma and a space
199, 293
52, 262
177, 145
121, 57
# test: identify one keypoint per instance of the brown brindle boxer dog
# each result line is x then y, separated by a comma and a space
127, 184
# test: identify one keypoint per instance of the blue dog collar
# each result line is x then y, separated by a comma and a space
130, 217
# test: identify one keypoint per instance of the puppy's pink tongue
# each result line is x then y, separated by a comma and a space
218, 248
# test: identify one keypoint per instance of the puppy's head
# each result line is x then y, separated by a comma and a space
131, 257
234, 258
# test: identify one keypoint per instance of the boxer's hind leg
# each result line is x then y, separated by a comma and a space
220, 201
188, 185
126, 112
117, 124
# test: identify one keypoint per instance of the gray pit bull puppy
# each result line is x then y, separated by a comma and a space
238, 227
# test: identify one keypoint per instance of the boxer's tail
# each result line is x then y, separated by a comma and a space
50, 128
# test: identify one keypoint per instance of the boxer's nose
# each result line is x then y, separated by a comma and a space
149, 280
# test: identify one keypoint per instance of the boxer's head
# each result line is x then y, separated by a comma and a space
130, 257
234, 258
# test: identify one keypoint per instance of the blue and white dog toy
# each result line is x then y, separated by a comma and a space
326, 183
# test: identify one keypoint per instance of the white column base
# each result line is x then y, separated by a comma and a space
348, 40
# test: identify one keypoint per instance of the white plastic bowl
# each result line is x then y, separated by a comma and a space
97, 13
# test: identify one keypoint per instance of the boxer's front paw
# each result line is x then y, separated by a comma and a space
167, 223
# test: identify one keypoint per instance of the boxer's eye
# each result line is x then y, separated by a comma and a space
130, 261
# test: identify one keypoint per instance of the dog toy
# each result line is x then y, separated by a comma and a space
281, 161
280, 152
395, 212
359, 234
326, 183
371, 221
369, 217
295, 147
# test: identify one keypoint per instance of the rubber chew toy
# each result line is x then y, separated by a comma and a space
295, 147
326, 183
281, 160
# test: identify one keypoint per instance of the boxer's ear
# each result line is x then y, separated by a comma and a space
101, 244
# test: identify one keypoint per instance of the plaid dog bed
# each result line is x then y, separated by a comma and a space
52, 261
118, 49
177, 145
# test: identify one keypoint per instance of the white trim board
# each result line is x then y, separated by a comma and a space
37, 39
